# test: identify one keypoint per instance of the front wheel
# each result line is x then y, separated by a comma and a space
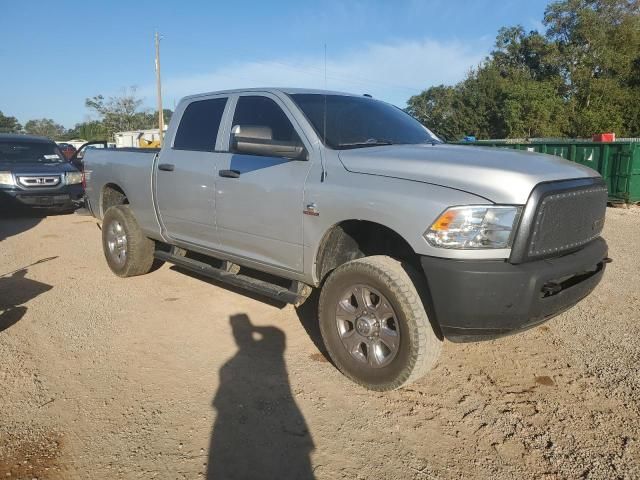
374, 324
127, 250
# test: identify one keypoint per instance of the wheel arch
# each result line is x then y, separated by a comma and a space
351, 239
110, 195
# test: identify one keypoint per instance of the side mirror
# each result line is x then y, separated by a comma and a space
258, 140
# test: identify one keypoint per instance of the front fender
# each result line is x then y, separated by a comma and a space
404, 206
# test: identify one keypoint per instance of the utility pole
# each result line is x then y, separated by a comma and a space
159, 86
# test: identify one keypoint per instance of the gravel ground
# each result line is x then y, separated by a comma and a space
167, 376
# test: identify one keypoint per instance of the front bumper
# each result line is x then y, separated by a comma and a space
484, 299
66, 195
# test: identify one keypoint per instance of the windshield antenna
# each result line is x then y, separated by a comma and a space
324, 121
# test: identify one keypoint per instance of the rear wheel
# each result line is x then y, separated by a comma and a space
374, 324
127, 250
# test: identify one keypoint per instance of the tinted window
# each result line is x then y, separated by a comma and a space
354, 122
199, 125
264, 112
29, 152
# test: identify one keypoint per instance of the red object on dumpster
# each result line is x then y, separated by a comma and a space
604, 137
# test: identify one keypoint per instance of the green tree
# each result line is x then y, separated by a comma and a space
124, 113
533, 109
442, 109
118, 113
580, 77
45, 127
89, 131
167, 115
520, 52
9, 124
598, 45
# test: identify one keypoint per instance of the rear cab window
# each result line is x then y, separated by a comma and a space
199, 125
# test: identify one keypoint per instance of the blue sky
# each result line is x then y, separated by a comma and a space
54, 54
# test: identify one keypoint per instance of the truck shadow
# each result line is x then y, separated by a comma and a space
16, 221
259, 431
308, 316
15, 291
307, 312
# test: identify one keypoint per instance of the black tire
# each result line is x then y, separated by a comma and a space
419, 346
139, 249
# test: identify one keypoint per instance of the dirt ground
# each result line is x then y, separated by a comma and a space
166, 376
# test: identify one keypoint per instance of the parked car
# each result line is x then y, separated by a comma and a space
409, 240
35, 173
67, 150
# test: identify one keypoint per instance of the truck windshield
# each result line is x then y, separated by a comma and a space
29, 152
358, 122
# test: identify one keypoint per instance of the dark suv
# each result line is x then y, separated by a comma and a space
34, 172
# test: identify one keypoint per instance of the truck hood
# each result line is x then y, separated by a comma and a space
497, 174
37, 168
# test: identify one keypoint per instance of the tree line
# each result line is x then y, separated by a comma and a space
115, 114
580, 77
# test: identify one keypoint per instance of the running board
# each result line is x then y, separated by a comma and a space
270, 290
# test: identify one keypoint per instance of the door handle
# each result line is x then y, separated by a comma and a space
230, 173
167, 167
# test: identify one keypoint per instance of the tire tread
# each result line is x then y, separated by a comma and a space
140, 248
404, 282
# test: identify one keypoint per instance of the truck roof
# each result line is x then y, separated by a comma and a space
19, 137
286, 90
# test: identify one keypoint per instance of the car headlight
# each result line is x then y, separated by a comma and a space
6, 178
474, 227
73, 177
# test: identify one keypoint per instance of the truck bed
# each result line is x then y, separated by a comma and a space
132, 170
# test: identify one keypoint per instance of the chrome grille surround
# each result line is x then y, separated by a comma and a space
560, 217
38, 181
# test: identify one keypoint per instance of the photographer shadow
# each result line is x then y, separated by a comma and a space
259, 431
15, 291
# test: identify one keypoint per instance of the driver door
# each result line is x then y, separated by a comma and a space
259, 209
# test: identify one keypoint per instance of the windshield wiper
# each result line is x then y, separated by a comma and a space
372, 142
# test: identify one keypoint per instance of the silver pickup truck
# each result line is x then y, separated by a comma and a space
410, 240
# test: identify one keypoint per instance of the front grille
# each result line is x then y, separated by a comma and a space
560, 217
43, 200
568, 220
38, 181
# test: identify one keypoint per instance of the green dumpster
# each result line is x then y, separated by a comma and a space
618, 162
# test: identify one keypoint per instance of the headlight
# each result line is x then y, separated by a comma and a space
6, 178
73, 177
474, 227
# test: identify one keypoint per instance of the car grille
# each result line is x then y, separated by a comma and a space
38, 181
560, 217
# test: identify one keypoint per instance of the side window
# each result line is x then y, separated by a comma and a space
264, 112
199, 125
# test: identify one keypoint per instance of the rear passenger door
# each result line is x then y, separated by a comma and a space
185, 173
259, 212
